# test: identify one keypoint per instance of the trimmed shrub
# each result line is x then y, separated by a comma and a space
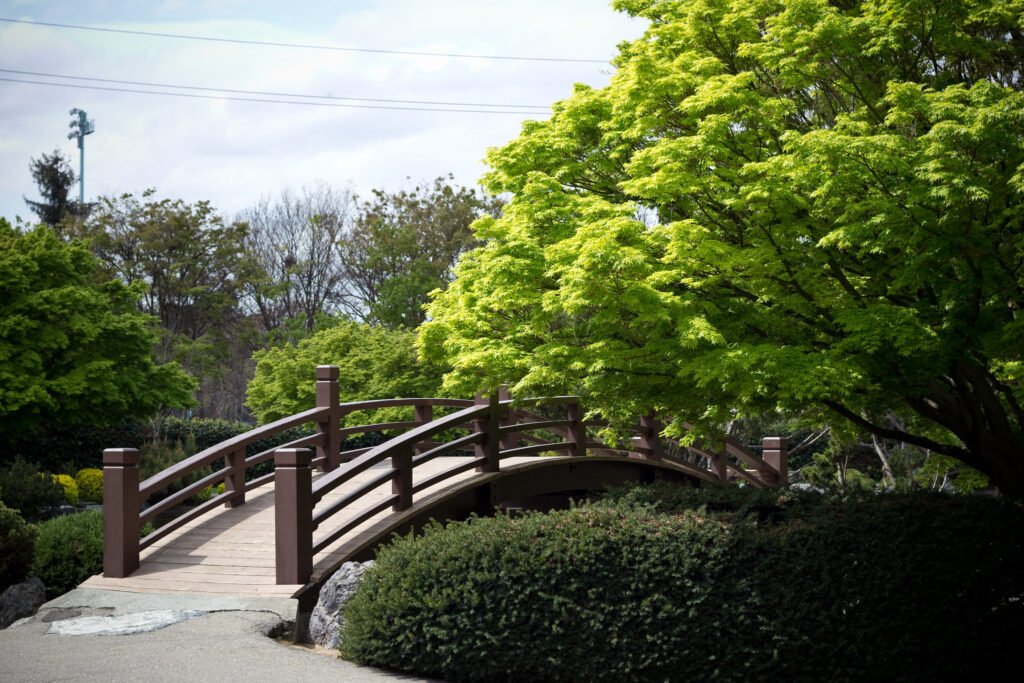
68, 485
90, 484
703, 585
17, 543
27, 490
69, 550
583, 594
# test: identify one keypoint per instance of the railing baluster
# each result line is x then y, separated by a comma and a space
775, 450
293, 515
234, 481
401, 485
423, 415
120, 512
720, 466
650, 436
509, 439
490, 446
577, 430
327, 396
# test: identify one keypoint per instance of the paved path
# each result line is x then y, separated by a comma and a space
227, 643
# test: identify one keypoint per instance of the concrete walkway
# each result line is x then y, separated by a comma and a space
218, 640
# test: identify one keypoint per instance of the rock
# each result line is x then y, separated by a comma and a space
326, 621
122, 625
21, 600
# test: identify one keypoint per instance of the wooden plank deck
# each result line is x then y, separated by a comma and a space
230, 551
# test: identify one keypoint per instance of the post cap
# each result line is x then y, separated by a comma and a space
293, 457
775, 442
121, 457
327, 373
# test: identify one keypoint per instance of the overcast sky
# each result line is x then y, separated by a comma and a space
231, 152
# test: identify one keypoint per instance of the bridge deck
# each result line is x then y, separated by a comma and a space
230, 551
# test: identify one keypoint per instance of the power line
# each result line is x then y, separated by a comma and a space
272, 94
268, 101
304, 46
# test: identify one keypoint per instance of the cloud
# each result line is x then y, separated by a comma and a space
232, 152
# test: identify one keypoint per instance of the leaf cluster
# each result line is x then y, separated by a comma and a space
774, 206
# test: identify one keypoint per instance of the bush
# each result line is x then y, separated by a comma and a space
712, 585
17, 543
90, 484
70, 488
584, 594
69, 550
25, 489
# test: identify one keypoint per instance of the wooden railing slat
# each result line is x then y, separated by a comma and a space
353, 523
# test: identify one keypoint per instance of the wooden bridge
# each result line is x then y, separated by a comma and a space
283, 533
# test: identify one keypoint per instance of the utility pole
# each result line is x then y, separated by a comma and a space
80, 127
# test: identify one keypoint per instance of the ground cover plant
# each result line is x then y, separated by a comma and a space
672, 584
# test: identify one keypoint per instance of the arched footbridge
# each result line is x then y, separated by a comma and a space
282, 533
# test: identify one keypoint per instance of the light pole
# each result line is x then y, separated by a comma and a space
80, 127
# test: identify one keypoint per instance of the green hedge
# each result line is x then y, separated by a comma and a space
24, 488
658, 584
69, 550
17, 543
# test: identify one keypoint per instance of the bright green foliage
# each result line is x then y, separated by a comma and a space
17, 543
90, 484
25, 489
73, 349
681, 584
69, 550
799, 205
70, 487
374, 363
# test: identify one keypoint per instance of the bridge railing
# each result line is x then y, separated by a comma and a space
125, 498
498, 428
491, 428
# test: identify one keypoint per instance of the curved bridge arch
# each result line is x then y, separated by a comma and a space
521, 485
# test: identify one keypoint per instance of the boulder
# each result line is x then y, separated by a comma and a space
21, 600
326, 620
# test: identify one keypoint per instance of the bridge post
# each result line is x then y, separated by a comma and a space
490, 447
401, 485
120, 512
650, 437
775, 451
327, 396
577, 430
234, 482
293, 515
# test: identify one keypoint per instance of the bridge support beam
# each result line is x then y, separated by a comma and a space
327, 396
120, 512
293, 515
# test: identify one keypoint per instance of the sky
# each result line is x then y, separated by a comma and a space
233, 153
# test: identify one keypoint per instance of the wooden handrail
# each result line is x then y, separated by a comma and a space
377, 454
497, 426
163, 479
